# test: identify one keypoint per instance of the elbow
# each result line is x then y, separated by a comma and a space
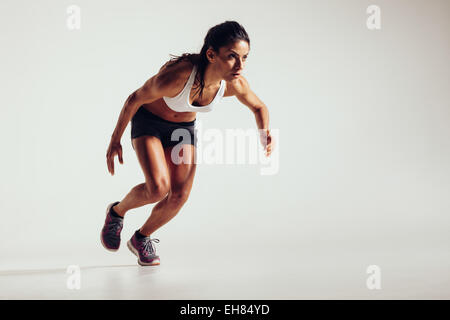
259, 108
131, 98
132, 101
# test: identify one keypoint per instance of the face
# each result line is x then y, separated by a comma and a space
231, 59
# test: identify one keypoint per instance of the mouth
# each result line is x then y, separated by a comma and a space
236, 74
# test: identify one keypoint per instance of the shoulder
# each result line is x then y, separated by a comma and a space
168, 82
173, 76
236, 87
171, 71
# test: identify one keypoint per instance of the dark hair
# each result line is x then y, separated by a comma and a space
218, 36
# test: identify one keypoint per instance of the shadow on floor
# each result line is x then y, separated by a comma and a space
59, 270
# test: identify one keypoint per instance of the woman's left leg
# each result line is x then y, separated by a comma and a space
181, 180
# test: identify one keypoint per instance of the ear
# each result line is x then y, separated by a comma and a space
210, 54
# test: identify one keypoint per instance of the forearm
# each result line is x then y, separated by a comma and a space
262, 118
128, 111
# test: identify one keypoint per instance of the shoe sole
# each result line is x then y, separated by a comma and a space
101, 237
155, 262
104, 246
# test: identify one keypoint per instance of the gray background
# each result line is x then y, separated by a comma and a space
364, 152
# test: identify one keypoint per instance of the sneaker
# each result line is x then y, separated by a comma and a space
144, 250
110, 235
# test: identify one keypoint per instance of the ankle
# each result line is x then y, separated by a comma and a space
140, 235
119, 210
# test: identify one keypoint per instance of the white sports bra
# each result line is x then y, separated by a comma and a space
180, 103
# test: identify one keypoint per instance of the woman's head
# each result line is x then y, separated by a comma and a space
223, 35
229, 59
226, 45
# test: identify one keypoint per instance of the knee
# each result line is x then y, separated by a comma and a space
157, 190
178, 197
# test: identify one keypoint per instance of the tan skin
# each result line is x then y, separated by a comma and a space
168, 183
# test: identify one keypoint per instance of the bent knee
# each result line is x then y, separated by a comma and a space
179, 197
157, 190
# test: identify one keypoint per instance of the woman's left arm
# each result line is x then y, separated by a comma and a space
248, 97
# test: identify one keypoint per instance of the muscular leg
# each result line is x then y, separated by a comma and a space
181, 180
137, 197
151, 157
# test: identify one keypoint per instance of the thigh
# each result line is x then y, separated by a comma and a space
151, 157
181, 172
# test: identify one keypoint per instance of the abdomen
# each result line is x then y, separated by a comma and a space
160, 108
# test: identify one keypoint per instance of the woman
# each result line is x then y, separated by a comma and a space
164, 104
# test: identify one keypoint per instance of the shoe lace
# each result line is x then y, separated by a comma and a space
148, 246
114, 227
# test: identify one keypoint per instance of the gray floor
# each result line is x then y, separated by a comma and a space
268, 273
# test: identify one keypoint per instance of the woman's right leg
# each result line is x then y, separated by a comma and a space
151, 157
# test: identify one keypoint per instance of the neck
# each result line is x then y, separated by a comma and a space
211, 78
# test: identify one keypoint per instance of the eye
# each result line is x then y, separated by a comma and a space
232, 55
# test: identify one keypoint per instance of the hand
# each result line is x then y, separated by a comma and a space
266, 140
114, 149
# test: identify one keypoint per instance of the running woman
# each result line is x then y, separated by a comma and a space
163, 104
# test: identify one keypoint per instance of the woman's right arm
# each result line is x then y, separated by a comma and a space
162, 84
146, 94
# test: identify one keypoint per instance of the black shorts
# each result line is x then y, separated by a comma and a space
145, 123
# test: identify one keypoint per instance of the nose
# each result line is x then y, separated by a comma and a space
238, 67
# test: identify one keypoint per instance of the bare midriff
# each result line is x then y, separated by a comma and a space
160, 108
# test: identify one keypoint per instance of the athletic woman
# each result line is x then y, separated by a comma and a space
164, 104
